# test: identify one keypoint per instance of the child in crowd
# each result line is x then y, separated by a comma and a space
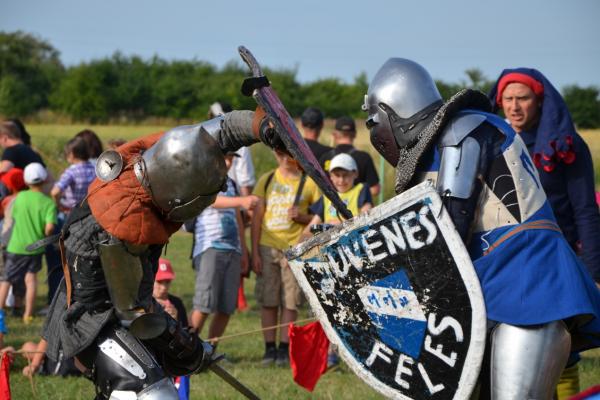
277, 224
34, 216
162, 283
175, 308
220, 256
93, 144
73, 184
70, 190
343, 172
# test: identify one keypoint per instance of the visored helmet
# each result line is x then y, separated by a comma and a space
183, 172
401, 94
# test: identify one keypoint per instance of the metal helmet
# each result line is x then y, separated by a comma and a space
183, 171
397, 97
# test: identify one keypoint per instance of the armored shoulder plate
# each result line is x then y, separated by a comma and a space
459, 157
457, 129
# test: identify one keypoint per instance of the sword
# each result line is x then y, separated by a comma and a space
43, 242
237, 385
258, 87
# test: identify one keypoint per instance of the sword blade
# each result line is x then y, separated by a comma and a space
43, 242
268, 99
237, 385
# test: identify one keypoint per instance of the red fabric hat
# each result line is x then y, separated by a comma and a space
516, 77
165, 270
13, 180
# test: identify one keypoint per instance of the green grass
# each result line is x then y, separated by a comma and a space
245, 352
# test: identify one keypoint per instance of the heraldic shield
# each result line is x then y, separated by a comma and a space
396, 291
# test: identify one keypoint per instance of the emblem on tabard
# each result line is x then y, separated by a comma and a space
396, 291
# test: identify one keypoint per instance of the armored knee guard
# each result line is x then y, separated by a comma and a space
124, 369
526, 362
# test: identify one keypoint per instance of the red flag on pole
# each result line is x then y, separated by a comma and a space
4, 377
308, 353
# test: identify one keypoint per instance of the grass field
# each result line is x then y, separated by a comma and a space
243, 352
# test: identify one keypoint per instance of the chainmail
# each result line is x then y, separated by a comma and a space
83, 237
410, 155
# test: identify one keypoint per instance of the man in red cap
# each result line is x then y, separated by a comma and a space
536, 111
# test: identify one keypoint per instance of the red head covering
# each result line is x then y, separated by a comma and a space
516, 77
555, 130
13, 180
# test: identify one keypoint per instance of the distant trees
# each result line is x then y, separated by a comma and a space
584, 104
30, 69
32, 78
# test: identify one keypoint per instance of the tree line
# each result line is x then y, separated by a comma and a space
33, 79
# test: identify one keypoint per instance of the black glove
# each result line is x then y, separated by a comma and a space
208, 357
270, 136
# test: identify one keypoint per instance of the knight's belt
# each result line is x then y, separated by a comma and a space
543, 224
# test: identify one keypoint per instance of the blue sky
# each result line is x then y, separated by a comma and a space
329, 38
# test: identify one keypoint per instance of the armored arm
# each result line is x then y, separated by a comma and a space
241, 128
466, 146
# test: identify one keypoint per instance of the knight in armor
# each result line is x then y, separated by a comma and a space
104, 315
541, 302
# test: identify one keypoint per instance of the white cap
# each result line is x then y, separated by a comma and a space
343, 161
34, 174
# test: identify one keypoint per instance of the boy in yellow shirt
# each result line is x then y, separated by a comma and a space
342, 171
277, 223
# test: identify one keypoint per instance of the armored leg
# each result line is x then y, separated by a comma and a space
122, 368
526, 362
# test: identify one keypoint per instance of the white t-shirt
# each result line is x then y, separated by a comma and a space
242, 169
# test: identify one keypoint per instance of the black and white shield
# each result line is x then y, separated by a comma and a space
396, 291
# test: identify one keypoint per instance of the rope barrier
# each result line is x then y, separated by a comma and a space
30, 376
259, 330
219, 338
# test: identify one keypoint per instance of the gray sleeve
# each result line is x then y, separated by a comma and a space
235, 131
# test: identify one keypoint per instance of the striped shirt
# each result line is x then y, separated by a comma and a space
217, 228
